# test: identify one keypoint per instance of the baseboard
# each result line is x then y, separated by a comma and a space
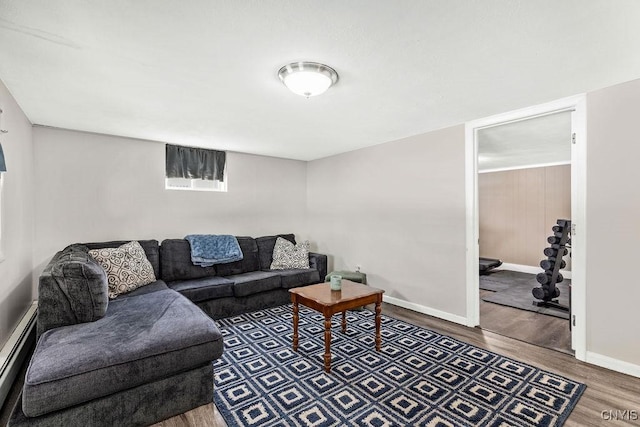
529, 269
15, 351
613, 364
425, 310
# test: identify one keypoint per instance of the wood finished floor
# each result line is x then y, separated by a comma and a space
606, 390
538, 329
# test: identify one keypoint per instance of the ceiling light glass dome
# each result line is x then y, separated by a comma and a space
308, 78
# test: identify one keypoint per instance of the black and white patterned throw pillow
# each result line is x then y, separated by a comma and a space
287, 255
127, 267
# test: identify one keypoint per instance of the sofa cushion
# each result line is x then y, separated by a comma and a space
176, 264
151, 249
265, 248
295, 277
140, 340
72, 289
287, 255
204, 289
248, 263
158, 285
254, 282
127, 267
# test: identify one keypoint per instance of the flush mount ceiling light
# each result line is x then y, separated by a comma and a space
308, 78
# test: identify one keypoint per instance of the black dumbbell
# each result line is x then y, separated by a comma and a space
553, 251
545, 293
554, 240
543, 278
549, 264
553, 293
539, 293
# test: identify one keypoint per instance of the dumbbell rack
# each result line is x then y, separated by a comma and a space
552, 265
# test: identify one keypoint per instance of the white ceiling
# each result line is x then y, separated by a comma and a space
204, 72
539, 141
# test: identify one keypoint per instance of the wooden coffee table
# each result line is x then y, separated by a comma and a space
321, 298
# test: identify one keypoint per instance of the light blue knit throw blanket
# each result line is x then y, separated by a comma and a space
211, 249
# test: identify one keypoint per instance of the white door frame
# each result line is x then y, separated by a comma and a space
576, 104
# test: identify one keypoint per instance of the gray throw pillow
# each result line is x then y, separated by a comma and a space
127, 267
287, 255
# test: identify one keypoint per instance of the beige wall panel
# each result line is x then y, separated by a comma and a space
517, 210
558, 189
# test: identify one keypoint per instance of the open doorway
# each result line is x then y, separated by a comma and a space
524, 188
575, 108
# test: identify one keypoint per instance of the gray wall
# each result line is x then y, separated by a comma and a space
397, 210
17, 215
613, 216
95, 187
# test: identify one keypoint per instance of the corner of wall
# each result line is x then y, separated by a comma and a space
16, 291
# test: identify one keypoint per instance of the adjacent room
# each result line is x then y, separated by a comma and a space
297, 213
524, 188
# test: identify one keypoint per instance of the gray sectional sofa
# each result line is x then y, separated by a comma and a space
146, 355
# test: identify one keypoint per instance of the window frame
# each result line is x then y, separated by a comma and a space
220, 187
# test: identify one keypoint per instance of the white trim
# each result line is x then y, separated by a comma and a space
425, 310
613, 364
472, 226
532, 166
579, 220
553, 107
527, 113
576, 104
14, 352
529, 269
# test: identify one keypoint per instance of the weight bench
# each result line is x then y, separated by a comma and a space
488, 264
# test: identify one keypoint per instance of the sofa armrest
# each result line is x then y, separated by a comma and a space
319, 262
72, 289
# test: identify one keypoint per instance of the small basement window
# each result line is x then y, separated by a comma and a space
195, 184
195, 169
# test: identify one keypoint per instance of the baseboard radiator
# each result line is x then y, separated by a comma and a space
14, 352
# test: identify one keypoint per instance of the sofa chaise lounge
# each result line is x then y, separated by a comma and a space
146, 355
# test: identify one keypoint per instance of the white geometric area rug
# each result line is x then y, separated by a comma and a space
419, 378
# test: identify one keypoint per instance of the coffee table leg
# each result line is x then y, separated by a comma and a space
327, 343
344, 322
378, 321
295, 325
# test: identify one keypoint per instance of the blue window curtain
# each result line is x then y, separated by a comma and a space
3, 165
195, 163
